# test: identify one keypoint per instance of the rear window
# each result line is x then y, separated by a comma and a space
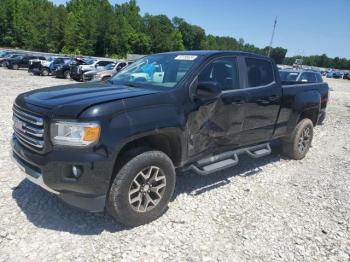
260, 72
308, 77
319, 78
288, 76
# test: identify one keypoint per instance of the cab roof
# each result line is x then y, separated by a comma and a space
209, 53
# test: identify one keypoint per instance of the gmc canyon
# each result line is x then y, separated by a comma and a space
116, 144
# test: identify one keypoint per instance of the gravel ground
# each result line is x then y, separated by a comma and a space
269, 209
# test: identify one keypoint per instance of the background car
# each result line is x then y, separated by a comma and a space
296, 75
334, 74
3, 59
107, 72
346, 76
78, 70
60, 67
21, 61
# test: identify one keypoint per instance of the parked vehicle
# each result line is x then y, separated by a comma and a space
5, 53
60, 67
78, 70
40, 67
346, 76
306, 76
21, 61
3, 60
333, 74
117, 143
107, 72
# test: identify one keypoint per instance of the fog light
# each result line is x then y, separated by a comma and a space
76, 171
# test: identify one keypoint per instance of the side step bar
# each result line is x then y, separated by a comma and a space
228, 159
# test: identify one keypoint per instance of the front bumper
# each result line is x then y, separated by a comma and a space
52, 172
87, 78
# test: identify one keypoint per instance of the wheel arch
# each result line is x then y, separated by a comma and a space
306, 105
169, 142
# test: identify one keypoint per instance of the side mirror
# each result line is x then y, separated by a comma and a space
208, 90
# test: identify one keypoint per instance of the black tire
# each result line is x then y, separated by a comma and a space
298, 143
118, 203
45, 72
66, 74
15, 67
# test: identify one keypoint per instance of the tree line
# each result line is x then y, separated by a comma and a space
96, 27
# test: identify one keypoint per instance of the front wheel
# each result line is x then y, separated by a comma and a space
45, 72
142, 189
299, 142
66, 74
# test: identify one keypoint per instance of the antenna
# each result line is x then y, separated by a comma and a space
272, 36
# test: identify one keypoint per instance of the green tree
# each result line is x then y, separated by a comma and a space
278, 54
161, 32
193, 36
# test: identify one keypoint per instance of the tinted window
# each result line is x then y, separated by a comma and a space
104, 63
223, 71
260, 72
319, 78
288, 76
308, 77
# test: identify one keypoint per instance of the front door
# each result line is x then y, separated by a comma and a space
217, 124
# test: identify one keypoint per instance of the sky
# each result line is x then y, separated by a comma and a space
304, 27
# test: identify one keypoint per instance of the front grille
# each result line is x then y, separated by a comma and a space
28, 128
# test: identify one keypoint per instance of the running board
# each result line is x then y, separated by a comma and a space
212, 164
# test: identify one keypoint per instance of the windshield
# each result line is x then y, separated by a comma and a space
161, 70
3, 53
110, 66
16, 56
288, 76
89, 62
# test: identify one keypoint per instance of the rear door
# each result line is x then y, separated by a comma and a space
263, 99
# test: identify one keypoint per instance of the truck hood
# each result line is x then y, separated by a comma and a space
71, 100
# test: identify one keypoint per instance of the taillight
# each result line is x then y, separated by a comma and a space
324, 99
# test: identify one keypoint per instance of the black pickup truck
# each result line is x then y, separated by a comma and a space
22, 61
116, 144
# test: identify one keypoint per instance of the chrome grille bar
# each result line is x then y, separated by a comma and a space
28, 128
27, 117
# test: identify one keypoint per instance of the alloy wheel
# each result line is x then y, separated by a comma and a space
304, 140
147, 189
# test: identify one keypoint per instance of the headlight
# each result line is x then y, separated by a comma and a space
74, 133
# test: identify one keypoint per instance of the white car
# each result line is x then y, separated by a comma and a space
93, 65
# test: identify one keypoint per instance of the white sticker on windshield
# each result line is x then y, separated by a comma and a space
186, 57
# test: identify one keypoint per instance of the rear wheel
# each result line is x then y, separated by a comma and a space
142, 189
298, 144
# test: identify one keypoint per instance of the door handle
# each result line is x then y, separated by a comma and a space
273, 98
238, 102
